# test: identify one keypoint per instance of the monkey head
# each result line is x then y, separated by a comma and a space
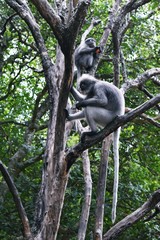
91, 42
87, 82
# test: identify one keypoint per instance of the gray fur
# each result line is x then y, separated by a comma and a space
101, 103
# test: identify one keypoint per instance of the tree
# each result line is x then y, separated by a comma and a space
65, 19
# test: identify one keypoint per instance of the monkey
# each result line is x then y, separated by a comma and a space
102, 102
85, 55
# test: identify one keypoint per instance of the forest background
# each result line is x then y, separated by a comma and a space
35, 78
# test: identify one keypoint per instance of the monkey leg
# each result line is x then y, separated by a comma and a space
75, 116
91, 115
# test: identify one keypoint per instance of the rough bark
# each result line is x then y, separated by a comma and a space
59, 79
87, 197
54, 180
141, 79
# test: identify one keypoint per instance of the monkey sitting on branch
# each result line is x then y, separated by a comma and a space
102, 102
85, 56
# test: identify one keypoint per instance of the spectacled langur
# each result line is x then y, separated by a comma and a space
101, 102
85, 55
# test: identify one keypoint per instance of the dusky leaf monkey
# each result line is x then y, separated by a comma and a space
85, 56
101, 103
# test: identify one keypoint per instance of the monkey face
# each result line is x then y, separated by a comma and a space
90, 42
83, 86
86, 85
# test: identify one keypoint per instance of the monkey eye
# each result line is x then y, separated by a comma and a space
89, 40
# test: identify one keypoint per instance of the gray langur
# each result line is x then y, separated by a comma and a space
101, 102
85, 55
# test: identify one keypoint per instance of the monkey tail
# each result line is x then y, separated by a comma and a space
79, 74
116, 136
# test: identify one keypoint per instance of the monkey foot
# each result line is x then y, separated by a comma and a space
85, 134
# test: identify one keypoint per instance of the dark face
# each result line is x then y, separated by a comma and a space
86, 85
91, 42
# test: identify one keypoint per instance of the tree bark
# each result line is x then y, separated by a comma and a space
101, 188
54, 179
87, 197
59, 80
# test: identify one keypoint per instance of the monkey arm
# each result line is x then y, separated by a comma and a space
99, 99
93, 102
74, 116
77, 96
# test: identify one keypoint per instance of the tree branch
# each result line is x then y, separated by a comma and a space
25, 13
94, 23
101, 187
48, 13
37, 101
156, 212
110, 23
146, 118
140, 79
13, 122
123, 65
5, 24
17, 200
143, 89
11, 86
116, 21
129, 7
64, 33
87, 198
156, 81
30, 161
107, 32
75, 152
16, 163
79, 15
133, 217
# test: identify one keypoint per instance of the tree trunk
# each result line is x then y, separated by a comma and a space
54, 178
102, 187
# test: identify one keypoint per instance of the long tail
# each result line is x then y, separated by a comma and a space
116, 136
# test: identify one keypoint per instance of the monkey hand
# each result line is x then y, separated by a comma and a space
98, 50
78, 105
